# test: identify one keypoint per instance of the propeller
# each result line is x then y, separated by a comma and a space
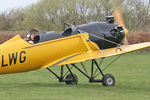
118, 16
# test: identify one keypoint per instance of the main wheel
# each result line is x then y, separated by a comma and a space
73, 79
108, 80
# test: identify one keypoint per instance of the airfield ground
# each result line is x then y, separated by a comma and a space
132, 73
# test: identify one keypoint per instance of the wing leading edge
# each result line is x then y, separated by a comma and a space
106, 53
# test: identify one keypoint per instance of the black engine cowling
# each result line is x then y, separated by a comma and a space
104, 34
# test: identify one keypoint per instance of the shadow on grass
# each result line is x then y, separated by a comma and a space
23, 85
80, 85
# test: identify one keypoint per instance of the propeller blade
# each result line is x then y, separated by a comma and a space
118, 16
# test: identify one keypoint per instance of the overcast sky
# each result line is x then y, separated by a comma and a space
10, 4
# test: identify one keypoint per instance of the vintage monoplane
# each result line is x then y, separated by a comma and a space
76, 44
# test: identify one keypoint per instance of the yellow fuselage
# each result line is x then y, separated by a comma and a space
17, 55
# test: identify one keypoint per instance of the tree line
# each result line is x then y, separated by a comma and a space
50, 15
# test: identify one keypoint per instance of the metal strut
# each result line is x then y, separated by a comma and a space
81, 71
98, 67
70, 71
53, 73
61, 74
107, 65
91, 77
61, 77
92, 69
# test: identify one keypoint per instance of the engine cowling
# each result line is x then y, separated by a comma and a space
105, 34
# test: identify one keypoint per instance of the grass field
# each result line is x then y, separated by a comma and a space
132, 73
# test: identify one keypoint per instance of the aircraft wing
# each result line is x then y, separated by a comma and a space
106, 53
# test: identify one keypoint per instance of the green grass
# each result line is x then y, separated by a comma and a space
132, 73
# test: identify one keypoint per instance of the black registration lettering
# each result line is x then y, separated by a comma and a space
12, 58
22, 58
3, 65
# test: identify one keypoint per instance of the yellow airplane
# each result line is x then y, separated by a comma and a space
76, 44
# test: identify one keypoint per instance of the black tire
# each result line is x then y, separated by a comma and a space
74, 79
108, 80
